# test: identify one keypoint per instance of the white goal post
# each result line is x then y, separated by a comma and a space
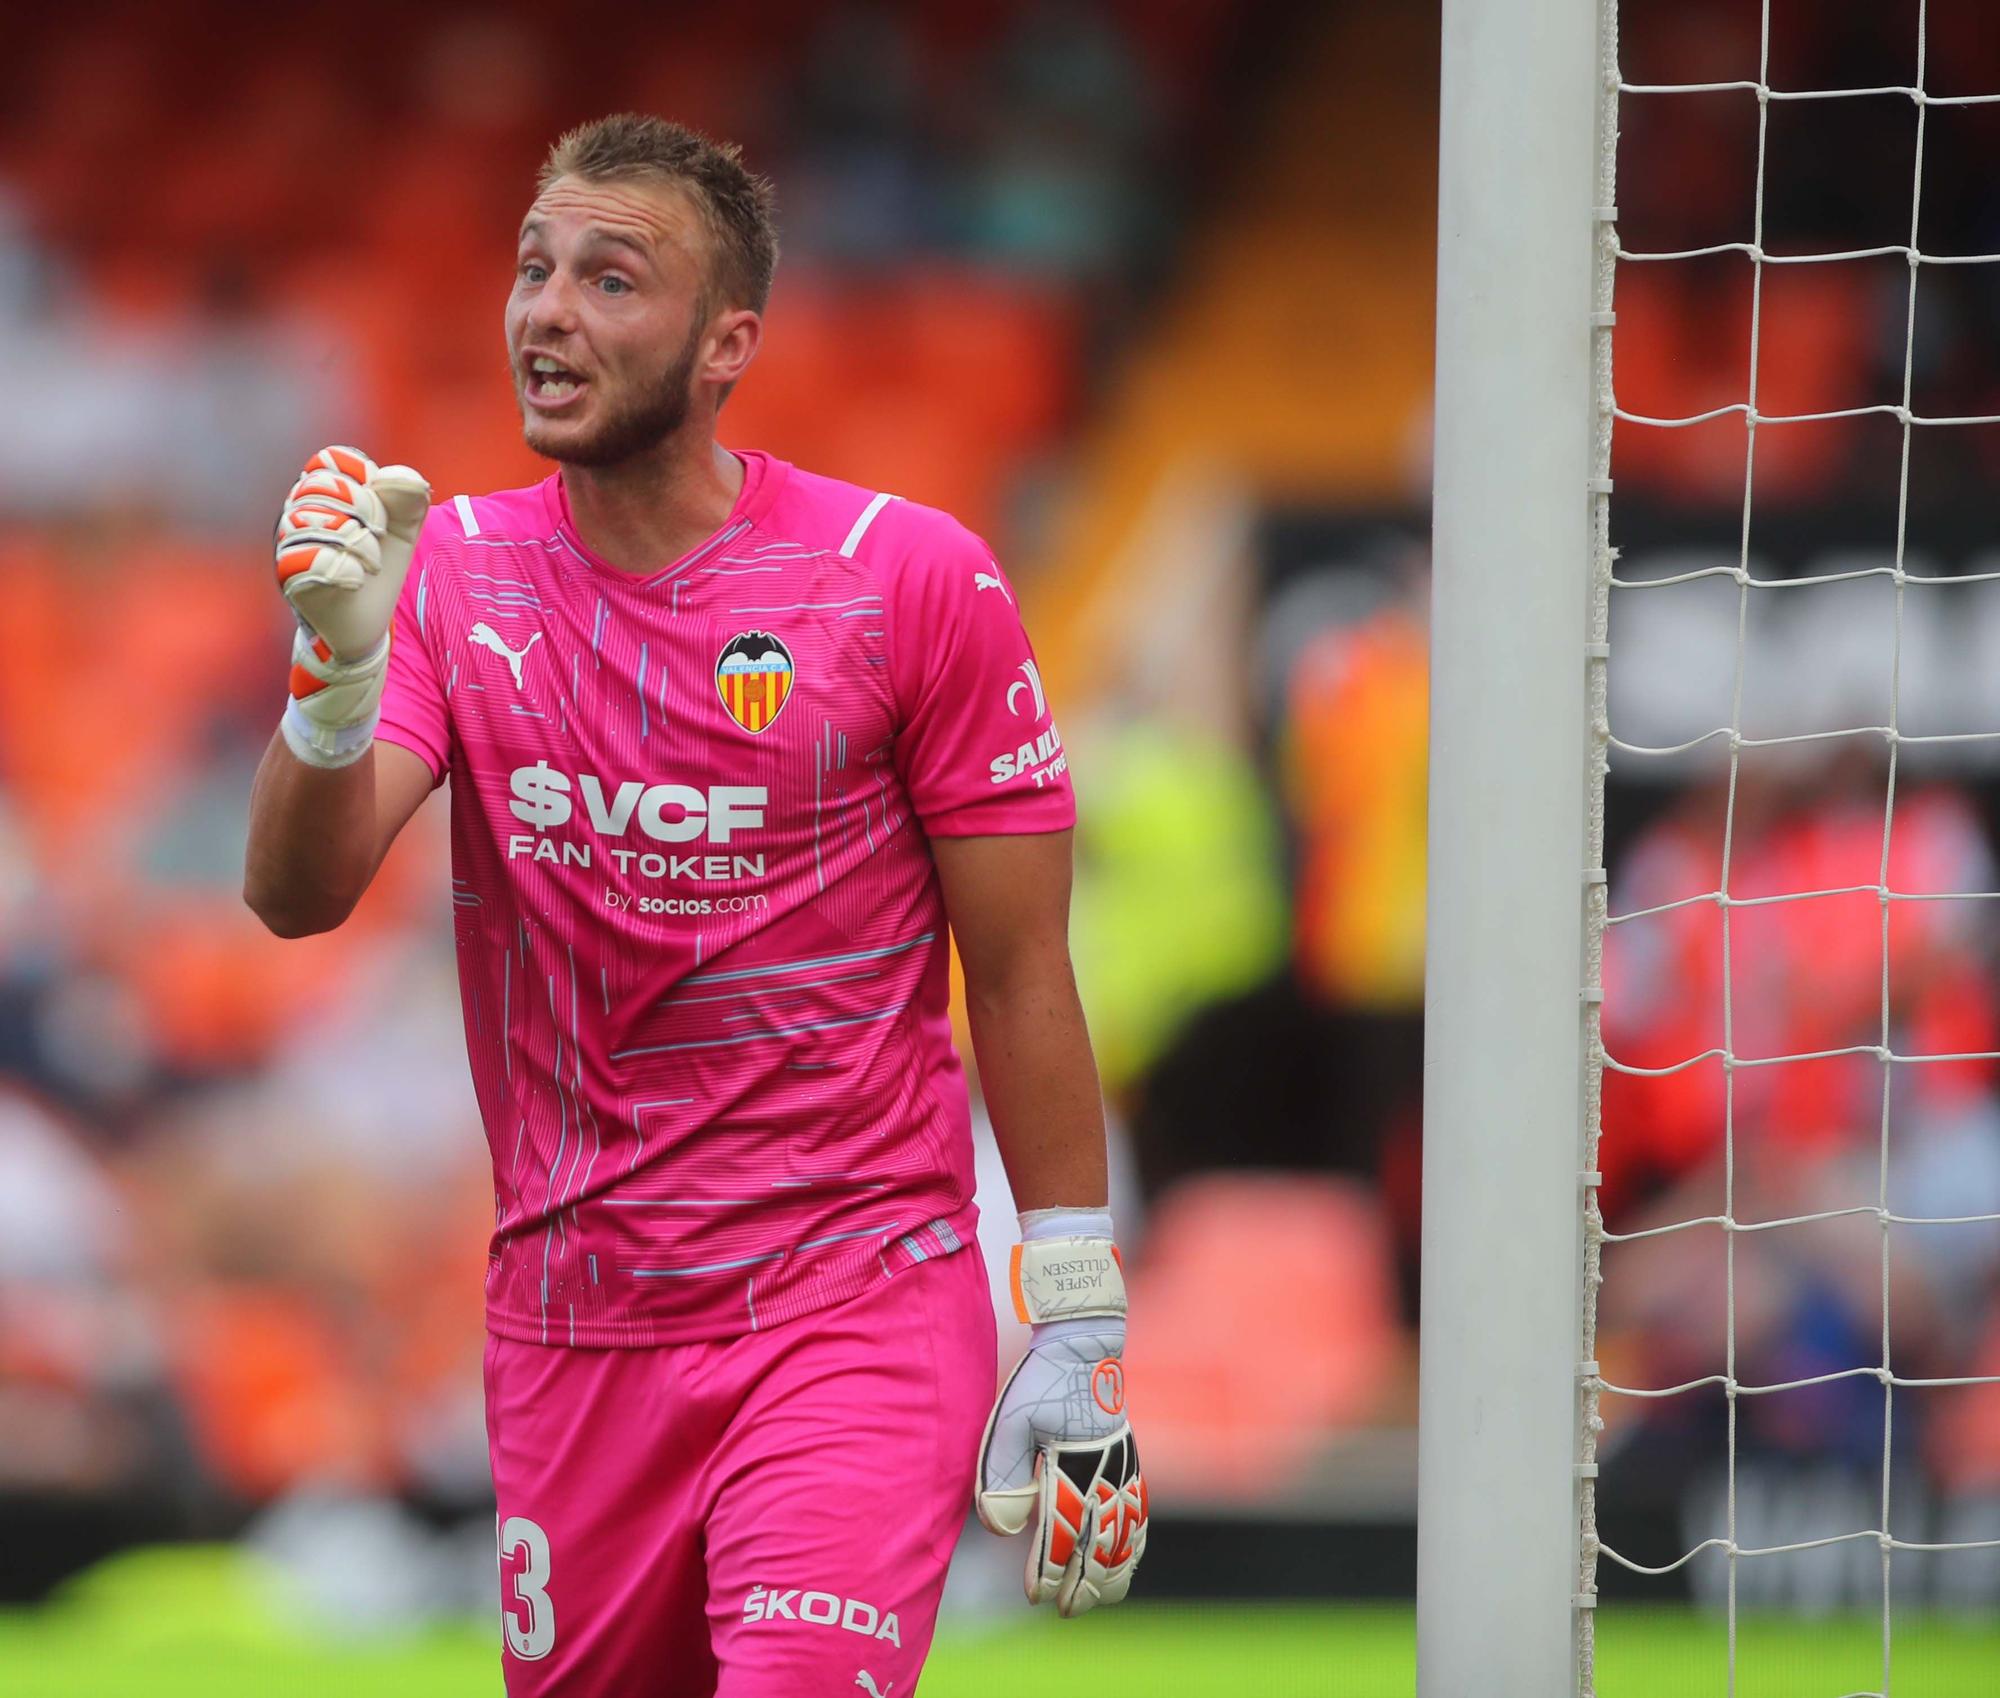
1516, 649
1528, 251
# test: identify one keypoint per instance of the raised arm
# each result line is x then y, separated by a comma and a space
318, 834
329, 799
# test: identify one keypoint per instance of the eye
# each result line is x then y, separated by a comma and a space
533, 271
617, 285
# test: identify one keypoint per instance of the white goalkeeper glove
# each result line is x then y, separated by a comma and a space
345, 538
1058, 1454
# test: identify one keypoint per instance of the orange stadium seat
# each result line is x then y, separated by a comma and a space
1282, 1333
271, 1401
1010, 349
1682, 351
91, 712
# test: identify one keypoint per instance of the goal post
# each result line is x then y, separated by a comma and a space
1511, 841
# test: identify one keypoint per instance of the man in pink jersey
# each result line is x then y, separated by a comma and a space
735, 749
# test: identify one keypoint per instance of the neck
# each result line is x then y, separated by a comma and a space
646, 512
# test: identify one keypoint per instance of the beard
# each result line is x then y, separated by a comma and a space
636, 427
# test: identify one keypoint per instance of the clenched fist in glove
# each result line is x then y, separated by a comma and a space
1058, 1455
345, 538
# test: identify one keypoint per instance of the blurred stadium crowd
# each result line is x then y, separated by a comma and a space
1140, 292
1844, 970
1837, 177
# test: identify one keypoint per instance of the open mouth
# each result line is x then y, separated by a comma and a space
550, 383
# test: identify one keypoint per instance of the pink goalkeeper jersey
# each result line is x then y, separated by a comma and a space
702, 950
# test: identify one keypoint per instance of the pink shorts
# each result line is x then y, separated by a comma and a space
752, 1517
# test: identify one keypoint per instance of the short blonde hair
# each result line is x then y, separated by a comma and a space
737, 204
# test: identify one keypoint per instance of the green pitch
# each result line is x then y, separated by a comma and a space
197, 1623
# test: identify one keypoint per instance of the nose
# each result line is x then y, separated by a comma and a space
553, 309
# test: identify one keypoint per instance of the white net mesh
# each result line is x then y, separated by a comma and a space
1721, 750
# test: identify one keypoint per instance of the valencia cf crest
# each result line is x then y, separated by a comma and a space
754, 678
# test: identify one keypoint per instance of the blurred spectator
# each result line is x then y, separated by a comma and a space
1178, 902
1355, 726
1806, 976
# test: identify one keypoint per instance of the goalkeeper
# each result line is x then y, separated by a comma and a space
735, 749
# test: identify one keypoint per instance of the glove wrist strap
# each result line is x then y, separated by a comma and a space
1066, 1279
326, 745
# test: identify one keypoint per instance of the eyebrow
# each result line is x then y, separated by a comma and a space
596, 233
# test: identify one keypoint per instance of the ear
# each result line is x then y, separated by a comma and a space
735, 336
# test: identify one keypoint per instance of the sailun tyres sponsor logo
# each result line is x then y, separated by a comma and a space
821, 1609
546, 798
1041, 757
1029, 682
754, 678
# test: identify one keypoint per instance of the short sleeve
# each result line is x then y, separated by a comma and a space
976, 745
414, 713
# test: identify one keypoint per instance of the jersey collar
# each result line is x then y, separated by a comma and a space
763, 477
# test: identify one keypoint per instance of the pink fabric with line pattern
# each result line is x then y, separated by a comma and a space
739, 1104
769, 1516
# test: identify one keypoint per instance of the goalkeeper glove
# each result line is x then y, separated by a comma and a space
1058, 1451
345, 538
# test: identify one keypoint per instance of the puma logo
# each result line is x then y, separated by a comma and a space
987, 581
863, 1678
487, 638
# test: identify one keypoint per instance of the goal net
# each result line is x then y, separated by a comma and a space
1712, 1019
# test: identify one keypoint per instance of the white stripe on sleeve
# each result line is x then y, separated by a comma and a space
867, 518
